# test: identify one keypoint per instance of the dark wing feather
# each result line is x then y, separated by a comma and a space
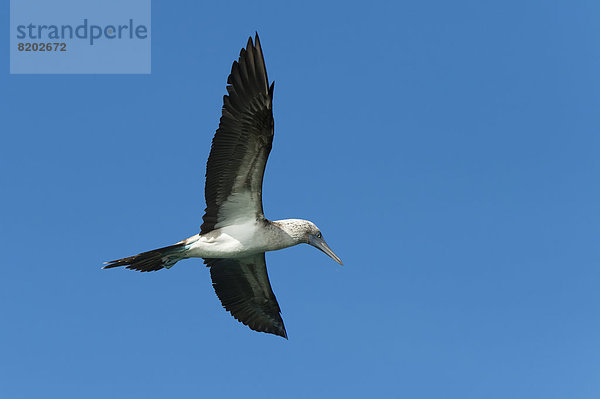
241, 146
244, 289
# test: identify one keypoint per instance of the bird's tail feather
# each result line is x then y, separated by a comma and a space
151, 260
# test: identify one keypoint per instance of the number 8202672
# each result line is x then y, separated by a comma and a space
42, 47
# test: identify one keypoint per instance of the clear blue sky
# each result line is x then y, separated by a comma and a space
449, 151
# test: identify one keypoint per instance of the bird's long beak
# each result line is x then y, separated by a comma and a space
320, 244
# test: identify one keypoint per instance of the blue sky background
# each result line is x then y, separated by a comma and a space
448, 151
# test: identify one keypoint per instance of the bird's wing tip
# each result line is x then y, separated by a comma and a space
257, 41
282, 332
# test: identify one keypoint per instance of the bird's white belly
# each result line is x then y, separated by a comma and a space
229, 242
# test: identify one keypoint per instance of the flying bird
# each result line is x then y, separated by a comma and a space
235, 234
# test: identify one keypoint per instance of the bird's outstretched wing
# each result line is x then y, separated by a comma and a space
241, 146
244, 289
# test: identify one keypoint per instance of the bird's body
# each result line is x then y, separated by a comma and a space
235, 234
244, 239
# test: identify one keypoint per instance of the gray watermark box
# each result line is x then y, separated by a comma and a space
80, 36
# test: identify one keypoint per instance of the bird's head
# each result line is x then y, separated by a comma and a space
305, 231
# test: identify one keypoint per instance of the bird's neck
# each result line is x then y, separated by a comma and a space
290, 231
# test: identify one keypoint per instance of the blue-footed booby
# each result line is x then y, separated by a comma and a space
235, 234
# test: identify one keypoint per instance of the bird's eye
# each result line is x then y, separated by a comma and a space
319, 235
